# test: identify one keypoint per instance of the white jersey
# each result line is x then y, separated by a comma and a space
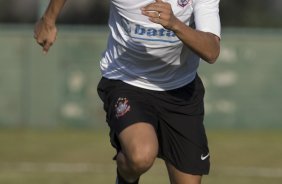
145, 54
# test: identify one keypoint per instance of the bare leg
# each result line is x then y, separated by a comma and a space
139, 145
178, 177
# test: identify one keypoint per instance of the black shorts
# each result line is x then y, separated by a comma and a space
177, 116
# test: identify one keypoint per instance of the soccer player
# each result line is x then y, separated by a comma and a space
151, 91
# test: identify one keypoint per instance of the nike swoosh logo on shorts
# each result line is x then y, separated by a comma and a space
204, 157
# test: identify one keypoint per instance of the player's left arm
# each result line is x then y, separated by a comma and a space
203, 43
45, 30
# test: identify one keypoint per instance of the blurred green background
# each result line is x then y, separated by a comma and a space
59, 89
52, 125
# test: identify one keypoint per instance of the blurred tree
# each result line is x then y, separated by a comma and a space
85, 12
18, 11
251, 13
235, 13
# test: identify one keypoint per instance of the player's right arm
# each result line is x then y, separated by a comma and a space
45, 30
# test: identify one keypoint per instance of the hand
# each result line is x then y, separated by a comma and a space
45, 33
161, 13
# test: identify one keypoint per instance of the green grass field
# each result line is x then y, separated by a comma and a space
84, 157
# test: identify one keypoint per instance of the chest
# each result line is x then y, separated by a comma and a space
181, 8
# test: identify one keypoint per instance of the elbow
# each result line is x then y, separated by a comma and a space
212, 57
213, 52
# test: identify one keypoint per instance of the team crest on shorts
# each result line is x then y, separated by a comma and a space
122, 107
183, 3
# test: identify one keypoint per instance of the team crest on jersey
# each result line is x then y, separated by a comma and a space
122, 107
183, 3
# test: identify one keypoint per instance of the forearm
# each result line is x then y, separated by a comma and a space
53, 10
206, 45
45, 30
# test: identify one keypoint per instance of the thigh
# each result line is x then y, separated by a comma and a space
139, 140
182, 138
178, 177
130, 116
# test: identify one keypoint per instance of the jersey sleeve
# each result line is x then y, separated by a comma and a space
206, 16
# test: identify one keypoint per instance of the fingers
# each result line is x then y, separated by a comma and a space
46, 47
158, 12
159, 7
152, 14
156, 9
45, 35
156, 17
45, 44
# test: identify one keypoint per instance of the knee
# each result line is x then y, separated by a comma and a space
141, 160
